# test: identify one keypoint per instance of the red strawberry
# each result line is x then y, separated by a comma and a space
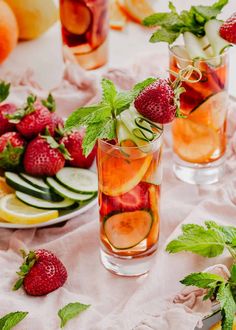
135, 199
12, 146
41, 273
32, 119
44, 156
73, 143
157, 102
5, 125
228, 29
57, 123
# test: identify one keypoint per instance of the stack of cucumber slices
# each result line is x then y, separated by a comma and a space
69, 189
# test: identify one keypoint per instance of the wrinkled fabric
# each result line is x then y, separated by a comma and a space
156, 301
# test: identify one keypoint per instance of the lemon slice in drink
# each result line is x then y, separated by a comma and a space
194, 142
13, 210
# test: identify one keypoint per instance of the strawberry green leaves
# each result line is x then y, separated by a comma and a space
218, 287
209, 241
100, 119
8, 321
70, 311
172, 24
4, 90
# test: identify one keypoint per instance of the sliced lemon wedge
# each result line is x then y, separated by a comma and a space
4, 188
15, 211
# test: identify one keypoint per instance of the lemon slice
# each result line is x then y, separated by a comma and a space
4, 188
13, 210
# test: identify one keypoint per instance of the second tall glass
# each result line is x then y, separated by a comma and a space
199, 140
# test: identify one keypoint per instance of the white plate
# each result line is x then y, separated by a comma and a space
64, 215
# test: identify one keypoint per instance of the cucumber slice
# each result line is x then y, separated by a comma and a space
218, 44
38, 183
78, 179
16, 182
43, 204
126, 230
193, 46
66, 193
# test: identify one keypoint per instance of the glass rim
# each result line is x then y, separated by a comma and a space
225, 53
118, 147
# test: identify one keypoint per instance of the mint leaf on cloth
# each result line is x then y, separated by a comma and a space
195, 238
70, 311
8, 321
203, 280
4, 90
228, 306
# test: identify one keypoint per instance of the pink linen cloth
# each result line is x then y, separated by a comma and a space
155, 301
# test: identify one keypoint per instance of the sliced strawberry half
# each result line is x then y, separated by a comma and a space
135, 199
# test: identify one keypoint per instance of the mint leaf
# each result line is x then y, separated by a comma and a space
233, 275
220, 4
229, 232
70, 311
203, 280
228, 306
172, 7
205, 242
162, 19
8, 321
109, 91
102, 130
4, 90
164, 35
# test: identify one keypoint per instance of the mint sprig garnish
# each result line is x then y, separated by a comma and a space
219, 288
172, 24
4, 90
8, 321
209, 241
70, 311
100, 119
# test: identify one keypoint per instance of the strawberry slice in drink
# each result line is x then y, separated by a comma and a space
135, 199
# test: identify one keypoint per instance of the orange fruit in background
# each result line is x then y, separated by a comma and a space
137, 9
118, 18
8, 30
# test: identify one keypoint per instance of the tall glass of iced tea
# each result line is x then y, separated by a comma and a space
129, 196
199, 140
84, 26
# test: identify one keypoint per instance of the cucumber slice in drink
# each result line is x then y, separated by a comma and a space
17, 183
42, 204
67, 193
38, 183
217, 43
78, 179
193, 46
126, 230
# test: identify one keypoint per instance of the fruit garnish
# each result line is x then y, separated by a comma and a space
138, 9
44, 156
70, 311
73, 143
32, 119
159, 102
100, 119
15, 211
117, 18
12, 147
228, 29
41, 273
126, 230
198, 25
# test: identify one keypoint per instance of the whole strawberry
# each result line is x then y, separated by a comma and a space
41, 273
12, 146
5, 125
32, 119
56, 124
228, 29
44, 156
158, 102
73, 143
